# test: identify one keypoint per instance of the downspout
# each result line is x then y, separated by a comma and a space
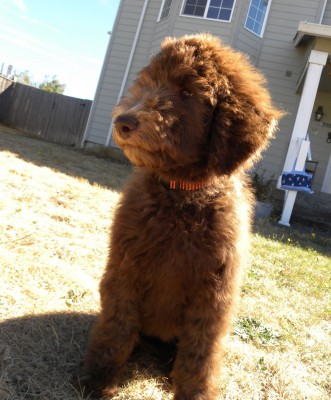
128, 67
323, 11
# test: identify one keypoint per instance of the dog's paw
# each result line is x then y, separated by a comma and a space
81, 383
90, 387
96, 382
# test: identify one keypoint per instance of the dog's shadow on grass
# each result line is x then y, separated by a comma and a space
40, 356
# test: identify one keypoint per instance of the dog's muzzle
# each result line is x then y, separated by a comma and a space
126, 124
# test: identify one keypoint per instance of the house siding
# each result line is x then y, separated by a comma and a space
244, 40
327, 14
274, 54
145, 39
320, 150
179, 25
281, 64
120, 46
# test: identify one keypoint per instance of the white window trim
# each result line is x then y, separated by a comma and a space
264, 22
160, 12
206, 11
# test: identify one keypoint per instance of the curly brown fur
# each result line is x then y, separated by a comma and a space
199, 112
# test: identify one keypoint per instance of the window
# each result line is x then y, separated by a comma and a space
257, 16
165, 9
210, 9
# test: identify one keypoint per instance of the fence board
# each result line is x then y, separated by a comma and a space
53, 117
5, 94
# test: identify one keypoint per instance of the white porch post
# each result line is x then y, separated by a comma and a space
316, 62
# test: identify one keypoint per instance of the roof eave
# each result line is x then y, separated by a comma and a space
307, 30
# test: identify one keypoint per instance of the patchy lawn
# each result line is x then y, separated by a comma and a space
56, 206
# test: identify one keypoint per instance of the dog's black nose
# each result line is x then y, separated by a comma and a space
125, 124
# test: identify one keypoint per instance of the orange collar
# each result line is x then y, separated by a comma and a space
182, 185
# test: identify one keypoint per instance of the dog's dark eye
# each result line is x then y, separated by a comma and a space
186, 93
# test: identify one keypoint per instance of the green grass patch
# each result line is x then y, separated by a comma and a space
248, 329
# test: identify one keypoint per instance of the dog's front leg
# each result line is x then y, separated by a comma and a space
111, 341
195, 371
197, 366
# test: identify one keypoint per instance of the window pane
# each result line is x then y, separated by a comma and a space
196, 2
195, 7
225, 15
213, 13
218, 9
256, 15
252, 12
215, 3
199, 11
227, 4
189, 10
260, 16
250, 24
166, 9
257, 28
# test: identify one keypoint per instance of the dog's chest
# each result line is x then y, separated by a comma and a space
166, 234
171, 251
167, 229
168, 247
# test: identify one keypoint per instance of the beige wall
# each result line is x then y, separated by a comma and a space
274, 54
321, 150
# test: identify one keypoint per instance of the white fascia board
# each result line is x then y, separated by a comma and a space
310, 29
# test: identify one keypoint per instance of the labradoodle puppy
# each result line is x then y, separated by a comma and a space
195, 118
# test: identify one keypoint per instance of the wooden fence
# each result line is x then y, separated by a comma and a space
50, 116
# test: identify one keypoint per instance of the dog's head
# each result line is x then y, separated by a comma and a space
198, 109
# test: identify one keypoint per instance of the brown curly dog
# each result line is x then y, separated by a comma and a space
195, 118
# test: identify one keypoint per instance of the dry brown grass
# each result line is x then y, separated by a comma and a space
56, 205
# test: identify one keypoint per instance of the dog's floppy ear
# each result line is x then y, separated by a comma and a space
244, 119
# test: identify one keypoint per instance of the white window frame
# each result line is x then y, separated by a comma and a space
264, 21
161, 11
206, 11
